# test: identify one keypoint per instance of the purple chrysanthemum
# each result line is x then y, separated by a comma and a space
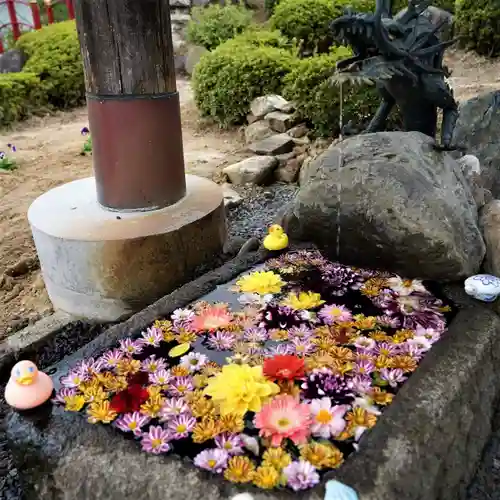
413, 349
230, 443
181, 386
360, 384
160, 377
153, 364
364, 367
214, 460
194, 361
282, 348
73, 379
110, 359
365, 343
183, 316
156, 440
386, 349
333, 313
301, 331
221, 341
393, 377
302, 346
301, 475
63, 393
129, 346
90, 366
172, 408
132, 422
322, 382
255, 334
341, 278
388, 321
180, 426
151, 337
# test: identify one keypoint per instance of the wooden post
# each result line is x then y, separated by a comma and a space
35, 12
50, 11
11, 8
133, 103
71, 10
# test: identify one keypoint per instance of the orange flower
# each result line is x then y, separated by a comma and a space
212, 318
405, 363
239, 470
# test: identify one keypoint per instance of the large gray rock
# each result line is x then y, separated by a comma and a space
478, 129
257, 131
253, 170
261, 106
490, 225
389, 200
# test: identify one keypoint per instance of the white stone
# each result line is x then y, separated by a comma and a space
104, 265
261, 106
484, 287
253, 170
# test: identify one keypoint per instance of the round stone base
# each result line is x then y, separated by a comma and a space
103, 265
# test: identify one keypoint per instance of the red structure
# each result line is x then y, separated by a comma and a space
17, 26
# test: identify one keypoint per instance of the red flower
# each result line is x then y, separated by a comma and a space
140, 378
130, 399
284, 367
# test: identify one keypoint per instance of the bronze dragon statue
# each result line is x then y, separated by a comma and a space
403, 55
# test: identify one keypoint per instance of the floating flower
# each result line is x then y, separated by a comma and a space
62, 394
180, 426
341, 278
183, 315
230, 443
322, 383
254, 299
284, 367
364, 367
322, 455
301, 475
366, 402
131, 422
181, 386
94, 393
406, 363
207, 429
392, 377
128, 366
240, 388
380, 397
360, 420
360, 383
302, 346
113, 383
213, 460
212, 318
129, 346
194, 361
277, 458
129, 400
280, 350
151, 337
327, 420
156, 440
172, 407
152, 407
73, 379
255, 334
405, 287
232, 423
261, 282
101, 411
85, 131
222, 341
160, 377
74, 402
303, 300
284, 418
333, 313
239, 470
266, 477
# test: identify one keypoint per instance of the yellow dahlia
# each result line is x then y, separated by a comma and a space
101, 412
302, 300
261, 282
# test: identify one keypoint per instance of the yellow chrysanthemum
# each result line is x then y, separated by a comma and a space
128, 366
266, 477
405, 363
341, 353
152, 406
232, 423
211, 369
94, 393
383, 362
402, 336
277, 458
179, 371
154, 390
365, 322
202, 408
200, 381
359, 417
113, 383
74, 403
163, 325
185, 336
207, 429
372, 287
322, 455
240, 388
380, 397
277, 334
261, 282
239, 470
168, 336
380, 336
101, 412
302, 300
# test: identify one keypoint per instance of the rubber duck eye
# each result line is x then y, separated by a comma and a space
31, 369
18, 373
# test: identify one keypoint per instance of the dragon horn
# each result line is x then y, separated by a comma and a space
433, 48
382, 39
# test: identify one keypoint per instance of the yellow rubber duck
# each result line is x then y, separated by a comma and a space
277, 239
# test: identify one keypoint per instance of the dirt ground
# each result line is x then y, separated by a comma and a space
48, 155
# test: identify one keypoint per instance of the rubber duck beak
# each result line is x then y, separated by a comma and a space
25, 380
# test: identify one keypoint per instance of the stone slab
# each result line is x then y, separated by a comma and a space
426, 445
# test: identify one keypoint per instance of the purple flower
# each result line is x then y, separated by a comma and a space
181, 386
333, 313
12, 147
222, 341
301, 475
282, 348
364, 367
73, 379
431, 334
301, 331
151, 337
89, 366
302, 346
2, 155
129, 346
323, 382
341, 278
160, 377
63, 393
110, 359
183, 315
360, 384
172, 408
194, 361
389, 321
152, 364
156, 440
385, 349
181, 426
132, 422
85, 131
214, 460
392, 376
413, 349
365, 344
230, 443
256, 334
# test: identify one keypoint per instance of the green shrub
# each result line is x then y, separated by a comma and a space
226, 80
20, 96
212, 25
261, 38
317, 99
477, 23
54, 55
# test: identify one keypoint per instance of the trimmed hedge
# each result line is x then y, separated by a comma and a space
317, 99
477, 23
226, 80
212, 25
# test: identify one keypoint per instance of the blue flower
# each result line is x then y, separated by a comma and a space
85, 131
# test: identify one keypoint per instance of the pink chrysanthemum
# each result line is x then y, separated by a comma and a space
211, 318
214, 460
333, 313
160, 377
181, 426
156, 440
63, 393
172, 408
151, 337
130, 346
132, 422
230, 443
328, 420
301, 475
110, 359
153, 364
284, 418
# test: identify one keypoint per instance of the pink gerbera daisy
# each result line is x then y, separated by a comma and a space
334, 314
284, 418
211, 318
